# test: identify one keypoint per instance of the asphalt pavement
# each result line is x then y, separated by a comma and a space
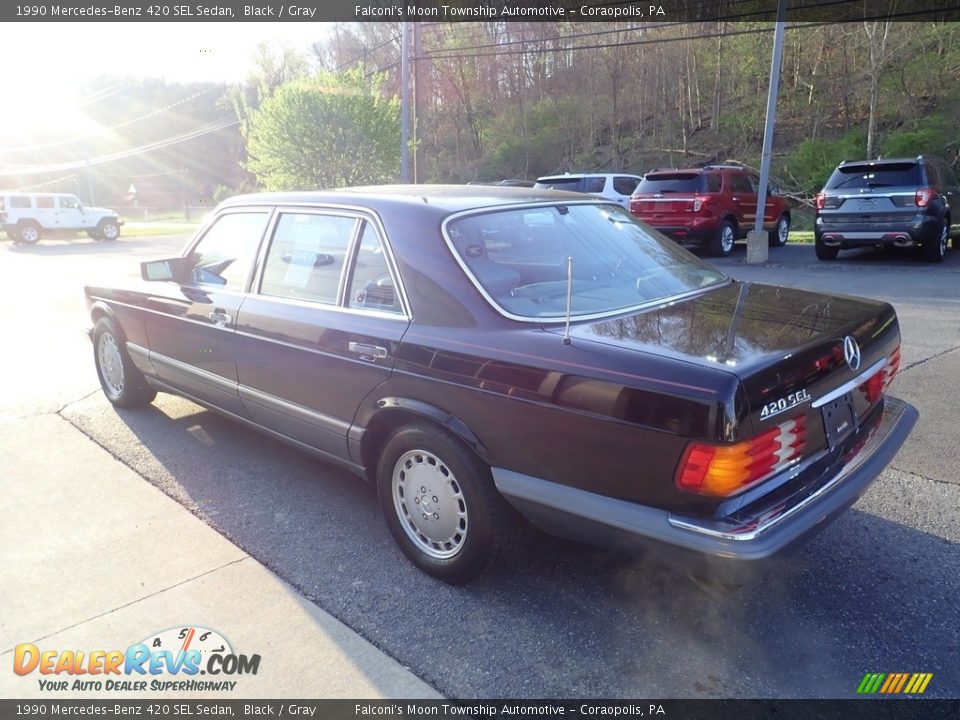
876, 592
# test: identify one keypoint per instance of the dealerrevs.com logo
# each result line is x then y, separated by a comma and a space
170, 660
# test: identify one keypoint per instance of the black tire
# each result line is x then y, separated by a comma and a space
108, 230
721, 244
935, 249
825, 252
472, 527
122, 383
29, 232
781, 232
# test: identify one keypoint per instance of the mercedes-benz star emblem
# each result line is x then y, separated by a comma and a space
851, 352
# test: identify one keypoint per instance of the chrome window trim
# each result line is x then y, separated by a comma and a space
660, 302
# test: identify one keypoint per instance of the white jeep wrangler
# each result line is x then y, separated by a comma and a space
26, 217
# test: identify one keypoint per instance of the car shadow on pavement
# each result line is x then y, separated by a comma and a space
558, 619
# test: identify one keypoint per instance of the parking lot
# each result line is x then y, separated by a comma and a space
876, 592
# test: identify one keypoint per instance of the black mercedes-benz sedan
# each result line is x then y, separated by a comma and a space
485, 353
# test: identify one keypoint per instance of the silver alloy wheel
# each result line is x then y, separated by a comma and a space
726, 239
29, 234
111, 364
783, 230
109, 231
429, 503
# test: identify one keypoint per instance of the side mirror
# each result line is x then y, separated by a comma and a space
162, 270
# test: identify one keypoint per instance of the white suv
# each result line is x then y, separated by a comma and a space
26, 217
612, 186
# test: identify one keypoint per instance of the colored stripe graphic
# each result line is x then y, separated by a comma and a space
894, 683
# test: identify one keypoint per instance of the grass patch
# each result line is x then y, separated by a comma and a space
136, 228
801, 236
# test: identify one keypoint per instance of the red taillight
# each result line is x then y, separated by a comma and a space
924, 196
821, 200
877, 384
697, 203
722, 470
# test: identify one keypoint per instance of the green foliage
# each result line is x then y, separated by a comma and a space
809, 165
331, 130
931, 136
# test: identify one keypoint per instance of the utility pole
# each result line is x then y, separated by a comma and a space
404, 102
419, 171
758, 248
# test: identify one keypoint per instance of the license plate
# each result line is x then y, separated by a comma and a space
839, 419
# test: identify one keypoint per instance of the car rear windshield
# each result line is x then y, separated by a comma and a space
519, 258
866, 175
672, 183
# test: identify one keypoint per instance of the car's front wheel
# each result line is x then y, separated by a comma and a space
440, 503
936, 250
122, 383
108, 230
781, 232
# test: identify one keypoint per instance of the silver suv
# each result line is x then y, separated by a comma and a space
905, 202
612, 186
27, 217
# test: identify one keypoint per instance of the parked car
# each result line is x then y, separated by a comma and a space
712, 205
612, 186
479, 352
903, 202
27, 217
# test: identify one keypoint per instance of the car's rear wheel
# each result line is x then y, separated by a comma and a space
780, 233
825, 252
29, 233
935, 250
122, 383
108, 230
440, 503
722, 242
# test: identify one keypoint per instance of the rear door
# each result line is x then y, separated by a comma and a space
46, 212
322, 328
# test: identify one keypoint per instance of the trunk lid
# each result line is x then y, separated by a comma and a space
786, 346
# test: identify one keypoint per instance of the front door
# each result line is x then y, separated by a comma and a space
190, 328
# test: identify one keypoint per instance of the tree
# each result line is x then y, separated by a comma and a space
331, 130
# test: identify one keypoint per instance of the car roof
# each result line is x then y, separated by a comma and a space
444, 199
587, 174
887, 161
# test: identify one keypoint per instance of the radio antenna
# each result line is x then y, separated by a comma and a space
566, 332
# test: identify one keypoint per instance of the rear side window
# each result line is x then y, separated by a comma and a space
865, 175
625, 185
949, 178
45, 203
307, 256
740, 184
663, 183
224, 255
371, 285
714, 183
20, 201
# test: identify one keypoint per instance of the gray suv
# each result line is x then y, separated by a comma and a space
901, 202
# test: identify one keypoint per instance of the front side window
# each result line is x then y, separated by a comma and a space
307, 255
69, 203
740, 184
519, 259
225, 254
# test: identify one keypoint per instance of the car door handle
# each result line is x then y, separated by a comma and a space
367, 352
219, 318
